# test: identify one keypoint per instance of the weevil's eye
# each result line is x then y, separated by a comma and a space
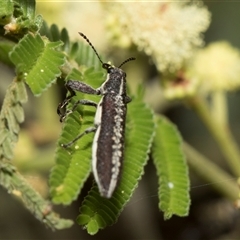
108, 67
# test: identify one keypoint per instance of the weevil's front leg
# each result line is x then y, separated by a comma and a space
73, 86
88, 130
81, 87
79, 102
64, 103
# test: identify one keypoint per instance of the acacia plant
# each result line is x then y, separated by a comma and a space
41, 55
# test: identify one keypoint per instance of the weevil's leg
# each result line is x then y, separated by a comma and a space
73, 86
127, 99
88, 130
81, 87
79, 102
64, 103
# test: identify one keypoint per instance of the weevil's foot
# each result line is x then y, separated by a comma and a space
62, 118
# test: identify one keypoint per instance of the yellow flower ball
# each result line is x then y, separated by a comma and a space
217, 67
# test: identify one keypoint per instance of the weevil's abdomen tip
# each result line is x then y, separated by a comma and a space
106, 193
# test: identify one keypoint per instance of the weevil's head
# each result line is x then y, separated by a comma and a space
108, 67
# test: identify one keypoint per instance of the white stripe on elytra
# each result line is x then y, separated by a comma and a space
97, 122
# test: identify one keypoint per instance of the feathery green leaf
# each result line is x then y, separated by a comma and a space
172, 170
38, 61
10, 117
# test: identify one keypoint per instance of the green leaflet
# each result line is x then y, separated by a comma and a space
27, 8
5, 47
38, 61
6, 10
81, 52
172, 170
97, 212
18, 17
73, 164
54, 34
11, 116
84, 55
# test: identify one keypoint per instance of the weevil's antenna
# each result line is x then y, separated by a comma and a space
88, 41
129, 59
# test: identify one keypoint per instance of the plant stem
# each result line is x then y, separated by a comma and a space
212, 173
221, 134
219, 109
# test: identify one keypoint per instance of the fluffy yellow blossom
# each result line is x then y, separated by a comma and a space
217, 67
167, 31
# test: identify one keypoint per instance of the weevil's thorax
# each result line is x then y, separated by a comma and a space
115, 83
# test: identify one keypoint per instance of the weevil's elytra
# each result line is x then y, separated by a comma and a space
109, 124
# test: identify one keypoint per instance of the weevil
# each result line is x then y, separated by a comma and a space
109, 123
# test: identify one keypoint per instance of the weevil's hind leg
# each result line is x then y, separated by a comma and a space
80, 102
88, 130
